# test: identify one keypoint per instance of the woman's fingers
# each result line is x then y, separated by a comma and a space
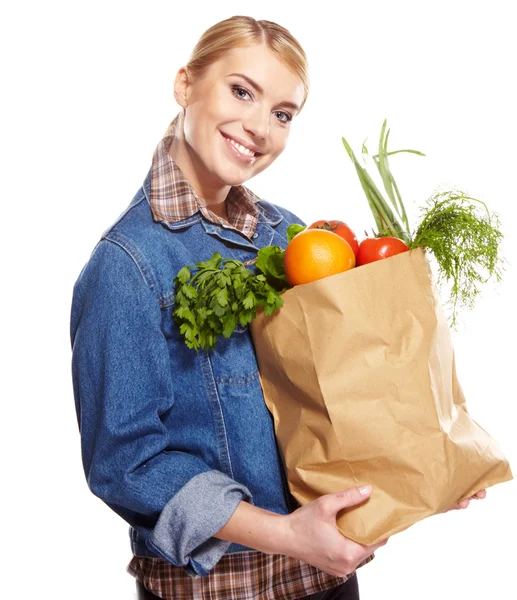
466, 501
479, 495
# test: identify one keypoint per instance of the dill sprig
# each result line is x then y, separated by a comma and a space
464, 238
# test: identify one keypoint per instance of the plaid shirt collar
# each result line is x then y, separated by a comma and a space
173, 199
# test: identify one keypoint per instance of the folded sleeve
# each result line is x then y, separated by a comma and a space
123, 384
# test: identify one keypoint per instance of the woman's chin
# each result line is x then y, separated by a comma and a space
234, 176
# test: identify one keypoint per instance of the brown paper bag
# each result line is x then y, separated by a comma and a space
358, 372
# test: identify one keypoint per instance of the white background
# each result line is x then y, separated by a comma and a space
87, 96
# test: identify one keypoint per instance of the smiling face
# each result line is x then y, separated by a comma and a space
248, 96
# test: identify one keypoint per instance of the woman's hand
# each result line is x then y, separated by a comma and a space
311, 534
466, 501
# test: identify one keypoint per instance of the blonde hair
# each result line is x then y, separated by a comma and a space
241, 31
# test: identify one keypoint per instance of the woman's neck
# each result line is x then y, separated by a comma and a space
211, 193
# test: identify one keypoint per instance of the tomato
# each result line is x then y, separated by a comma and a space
372, 249
342, 229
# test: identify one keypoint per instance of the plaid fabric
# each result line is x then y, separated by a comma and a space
172, 197
237, 576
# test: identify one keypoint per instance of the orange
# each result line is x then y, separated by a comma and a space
316, 253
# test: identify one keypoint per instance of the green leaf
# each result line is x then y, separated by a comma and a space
211, 341
237, 282
225, 278
294, 229
269, 309
219, 310
183, 275
229, 324
180, 299
270, 260
214, 320
247, 316
271, 297
389, 181
381, 211
222, 296
382, 164
405, 150
185, 313
263, 263
202, 314
189, 292
249, 301
212, 263
188, 332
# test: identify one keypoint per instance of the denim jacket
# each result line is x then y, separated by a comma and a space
172, 440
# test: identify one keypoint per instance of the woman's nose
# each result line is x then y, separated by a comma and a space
258, 124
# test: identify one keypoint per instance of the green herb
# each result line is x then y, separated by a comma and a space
224, 293
294, 229
220, 295
464, 239
388, 223
270, 261
461, 233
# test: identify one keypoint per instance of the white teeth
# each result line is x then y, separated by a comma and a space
241, 148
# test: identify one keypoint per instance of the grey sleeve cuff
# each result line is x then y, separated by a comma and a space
183, 533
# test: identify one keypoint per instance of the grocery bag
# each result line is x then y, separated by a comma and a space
358, 372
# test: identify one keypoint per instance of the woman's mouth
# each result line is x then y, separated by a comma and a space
239, 152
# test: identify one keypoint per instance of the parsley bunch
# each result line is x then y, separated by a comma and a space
224, 293
220, 295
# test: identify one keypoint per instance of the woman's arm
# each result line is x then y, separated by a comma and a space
308, 534
123, 386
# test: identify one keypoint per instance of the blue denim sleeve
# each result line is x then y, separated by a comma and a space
122, 384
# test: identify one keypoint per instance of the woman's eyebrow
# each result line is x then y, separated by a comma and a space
261, 91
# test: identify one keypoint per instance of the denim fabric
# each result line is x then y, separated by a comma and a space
172, 440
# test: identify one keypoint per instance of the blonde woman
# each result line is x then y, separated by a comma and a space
180, 444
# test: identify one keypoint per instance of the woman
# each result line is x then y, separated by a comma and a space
178, 443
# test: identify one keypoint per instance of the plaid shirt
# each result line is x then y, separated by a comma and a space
172, 197
248, 575
237, 576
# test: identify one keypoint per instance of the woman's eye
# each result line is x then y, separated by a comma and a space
236, 89
286, 115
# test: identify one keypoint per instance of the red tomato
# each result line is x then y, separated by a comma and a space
372, 249
342, 229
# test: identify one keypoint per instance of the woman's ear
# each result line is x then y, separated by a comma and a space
180, 87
